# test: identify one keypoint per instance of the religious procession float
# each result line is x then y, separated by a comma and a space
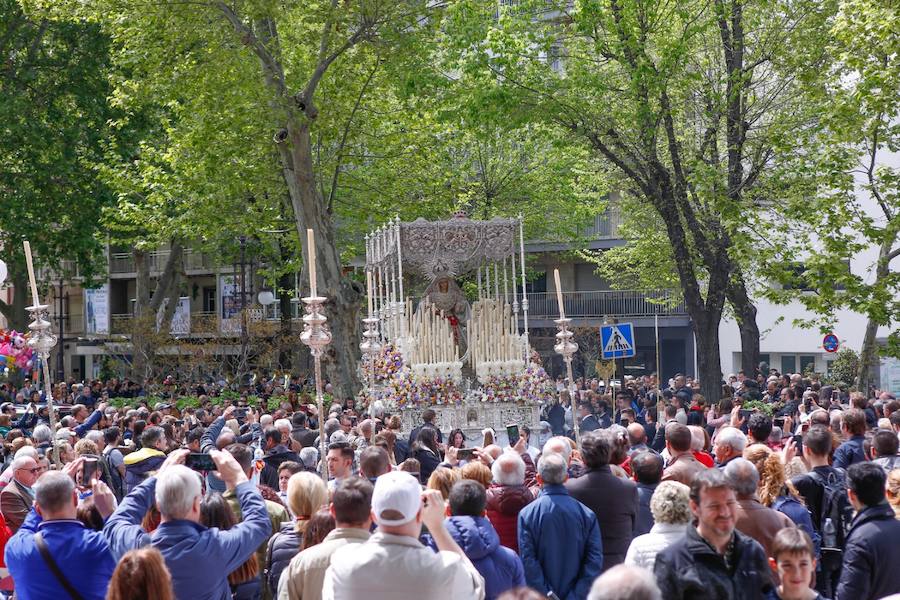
469, 361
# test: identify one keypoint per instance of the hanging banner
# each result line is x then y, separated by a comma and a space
96, 310
230, 301
181, 320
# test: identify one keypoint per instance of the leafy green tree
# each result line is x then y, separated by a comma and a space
851, 203
685, 101
53, 91
845, 367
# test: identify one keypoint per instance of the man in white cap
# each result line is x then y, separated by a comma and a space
393, 563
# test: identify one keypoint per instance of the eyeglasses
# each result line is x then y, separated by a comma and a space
33, 471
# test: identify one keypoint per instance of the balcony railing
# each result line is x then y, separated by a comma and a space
605, 226
123, 262
543, 305
606, 303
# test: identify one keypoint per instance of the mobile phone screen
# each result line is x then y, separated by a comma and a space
512, 432
465, 453
89, 468
200, 461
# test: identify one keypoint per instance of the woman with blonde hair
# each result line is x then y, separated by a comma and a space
776, 492
893, 491
387, 439
477, 471
442, 479
306, 494
141, 575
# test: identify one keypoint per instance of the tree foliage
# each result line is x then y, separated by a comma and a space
53, 98
850, 202
684, 101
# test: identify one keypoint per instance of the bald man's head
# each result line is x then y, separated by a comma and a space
559, 445
636, 434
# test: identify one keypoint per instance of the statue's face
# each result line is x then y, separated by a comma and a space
443, 286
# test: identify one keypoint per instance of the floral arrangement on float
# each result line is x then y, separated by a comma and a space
535, 386
441, 370
408, 390
531, 386
491, 371
388, 363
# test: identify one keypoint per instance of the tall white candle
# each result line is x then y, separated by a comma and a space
559, 297
369, 290
31, 279
311, 250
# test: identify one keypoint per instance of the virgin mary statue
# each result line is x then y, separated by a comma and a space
446, 296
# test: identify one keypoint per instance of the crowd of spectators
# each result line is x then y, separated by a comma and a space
663, 495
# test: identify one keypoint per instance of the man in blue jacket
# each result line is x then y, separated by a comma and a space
82, 555
853, 425
871, 552
559, 538
501, 567
198, 558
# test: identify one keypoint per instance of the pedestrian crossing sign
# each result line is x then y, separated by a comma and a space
617, 341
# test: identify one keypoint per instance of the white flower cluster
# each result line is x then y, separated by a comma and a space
445, 370
499, 368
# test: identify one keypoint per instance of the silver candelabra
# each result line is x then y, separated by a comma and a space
567, 348
317, 336
42, 341
370, 348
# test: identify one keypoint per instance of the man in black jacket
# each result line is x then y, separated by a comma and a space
304, 436
647, 467
427, 421
612, 499
713, 561
872, 552
587, 422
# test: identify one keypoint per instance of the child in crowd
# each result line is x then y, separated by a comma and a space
793, 559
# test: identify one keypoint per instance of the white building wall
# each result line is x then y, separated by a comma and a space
781, 338
785, 338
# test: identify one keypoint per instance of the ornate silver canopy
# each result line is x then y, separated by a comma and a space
450, 248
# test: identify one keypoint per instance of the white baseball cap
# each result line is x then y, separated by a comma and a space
396, 491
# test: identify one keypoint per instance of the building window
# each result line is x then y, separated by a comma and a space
209, 299
807, 361
538, 285
799, 277
764, 358
788, 364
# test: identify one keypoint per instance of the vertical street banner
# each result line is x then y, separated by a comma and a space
230, 301
181, 319
96, 310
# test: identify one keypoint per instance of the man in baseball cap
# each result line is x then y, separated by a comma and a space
393, 563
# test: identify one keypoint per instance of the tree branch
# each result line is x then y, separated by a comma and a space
346, 133
274, 72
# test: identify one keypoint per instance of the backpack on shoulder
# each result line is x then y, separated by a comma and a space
836, 512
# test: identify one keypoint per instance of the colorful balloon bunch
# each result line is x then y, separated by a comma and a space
15, 351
